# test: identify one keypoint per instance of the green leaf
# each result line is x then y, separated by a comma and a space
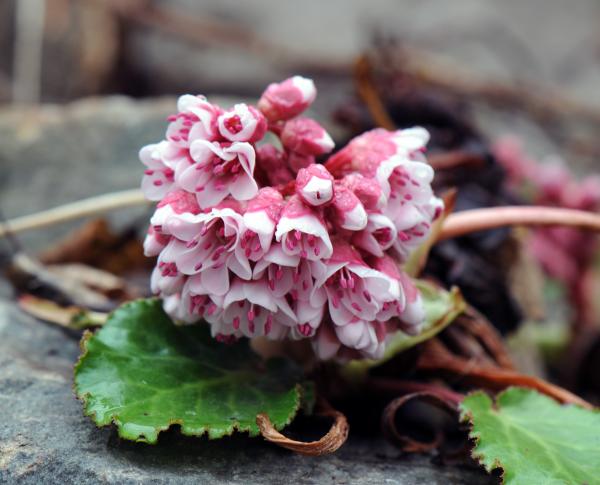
143, 373
534, 438
441, 308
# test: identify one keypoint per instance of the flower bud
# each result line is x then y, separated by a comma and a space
306, 136
273, 164
350, 213
367, 190
297, 161
314, 185
283, 101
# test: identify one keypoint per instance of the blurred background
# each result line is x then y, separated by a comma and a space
509, 91
60, 50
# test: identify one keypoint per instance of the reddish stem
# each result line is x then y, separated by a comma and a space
437, 359
465, 222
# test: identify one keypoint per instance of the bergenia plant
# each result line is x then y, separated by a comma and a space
263, 233
256, 238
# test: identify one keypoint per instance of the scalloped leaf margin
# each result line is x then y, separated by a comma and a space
143, 373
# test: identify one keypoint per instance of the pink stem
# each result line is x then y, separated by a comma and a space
466, 222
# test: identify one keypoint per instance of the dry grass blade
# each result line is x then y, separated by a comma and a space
71, 317
332, 441
74, 210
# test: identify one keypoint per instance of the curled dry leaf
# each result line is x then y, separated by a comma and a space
425, 421
332, 441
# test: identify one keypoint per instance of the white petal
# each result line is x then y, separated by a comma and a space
258, 293
412, 139
353, 334
260, 223
244, 188
355, 219
184, 226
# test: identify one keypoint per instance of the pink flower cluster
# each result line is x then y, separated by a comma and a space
259, 239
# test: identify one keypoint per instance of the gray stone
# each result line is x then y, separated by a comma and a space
44, 437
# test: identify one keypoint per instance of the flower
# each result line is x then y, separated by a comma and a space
218, 170
159, 175
209, 243
251, 310
260, 220
395, 161
355, 291
283, 101
177, 310
242, 123
302, 232
413, 315
154, 242
200, 302
196, 120
367, 190
306, 137
166, 277
378, 236
361, 327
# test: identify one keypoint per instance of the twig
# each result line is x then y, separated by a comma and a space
74, 210
466, 222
